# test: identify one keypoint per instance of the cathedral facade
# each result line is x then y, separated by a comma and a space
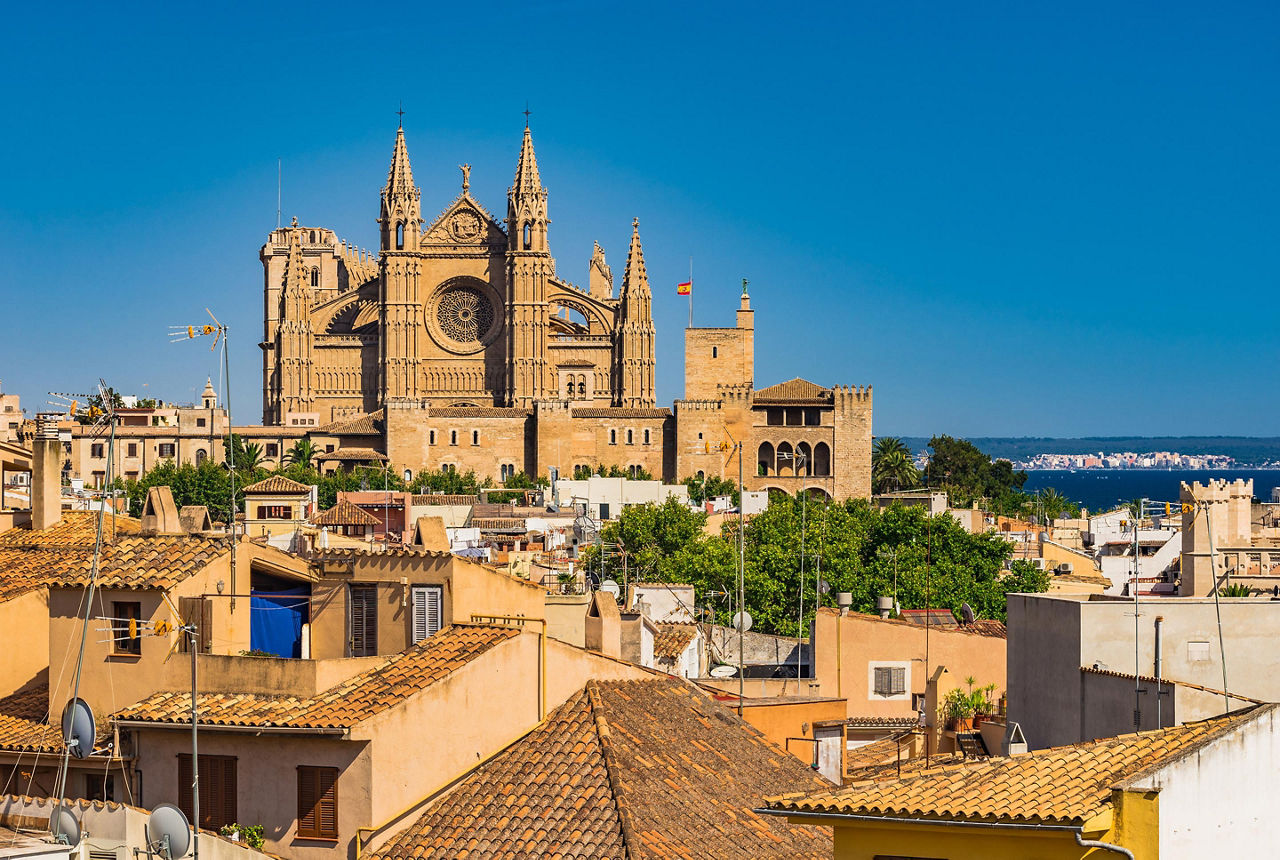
458, 346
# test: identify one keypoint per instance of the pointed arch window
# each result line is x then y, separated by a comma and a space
315, 277
399, 235
528, 236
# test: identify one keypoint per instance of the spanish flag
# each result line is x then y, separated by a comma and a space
685, 289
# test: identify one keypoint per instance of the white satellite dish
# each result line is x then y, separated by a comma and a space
742, 621
64, 827
78, 729
724, 672
168, 831
610, 587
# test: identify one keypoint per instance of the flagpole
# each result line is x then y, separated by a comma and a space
690, 292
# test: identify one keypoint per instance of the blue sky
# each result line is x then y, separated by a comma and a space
1011, 219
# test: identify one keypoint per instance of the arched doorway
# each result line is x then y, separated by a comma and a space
821, 460
764, 459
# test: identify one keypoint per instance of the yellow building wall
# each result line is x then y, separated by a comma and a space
876, 841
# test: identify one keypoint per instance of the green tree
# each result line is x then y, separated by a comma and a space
449, 482
208, 484
710, 487
303, 453
966, 473
891, 466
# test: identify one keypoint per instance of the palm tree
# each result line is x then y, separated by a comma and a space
302, 453
249, 457
891, 465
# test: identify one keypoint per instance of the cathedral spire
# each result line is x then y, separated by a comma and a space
527, 203
401, 216
635, 280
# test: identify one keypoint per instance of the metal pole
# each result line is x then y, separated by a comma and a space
1137, 667
1217, 607
742, 591
804, 509
1159, 670
195, 751
231, 457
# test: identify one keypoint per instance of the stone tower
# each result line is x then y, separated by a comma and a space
295, 336
633, 377
401, 272
529, 268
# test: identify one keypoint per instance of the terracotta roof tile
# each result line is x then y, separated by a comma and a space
344, 705
24, 723
279, 485
370, 424
76, 530
1061, 785
672, 640
444, 499
797, 389
882, 722
620, 412
624, 769
344, 514
479, 412
358, 454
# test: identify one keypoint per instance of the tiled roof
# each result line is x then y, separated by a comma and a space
1061, 785
279, 485
672, 640
129, 562
620, 412
865, 761
342, 706
358, 454
502, 524
444, 499
24, 724
883, 722
624, 769
1150, 679
76, 530
795, 389
370, 424
344, 514
937, 621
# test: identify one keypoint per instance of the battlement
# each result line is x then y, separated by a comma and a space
699, 406
408, 404
1217, 490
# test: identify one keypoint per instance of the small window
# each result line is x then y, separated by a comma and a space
99, 786
273, 450
917, 702
317, 802
400, 236
217, 789
448, 467
630, 440
475, 437
315, 277
364, 620
126, 618
167, 449
613, 437
701, 475
200, 456
715, 352
646, 437
199, 422
890, 681
133, 450
453, 437
328, 449
582, 388
528, 236
428, 611
96, 449
635, 472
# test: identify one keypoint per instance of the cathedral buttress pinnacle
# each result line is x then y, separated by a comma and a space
634, 353
527, 203
401, 215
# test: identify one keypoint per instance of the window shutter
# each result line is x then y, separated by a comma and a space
898, 677
364, 621
428, 611
881, 681
307, 825
317, 802
184, 785
327, 788
228, 804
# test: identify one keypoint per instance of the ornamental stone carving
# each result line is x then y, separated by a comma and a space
462, 316
465, 226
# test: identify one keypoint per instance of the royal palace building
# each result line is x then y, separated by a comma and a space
459, 346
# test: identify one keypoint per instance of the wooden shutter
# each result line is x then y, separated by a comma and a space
317, 802
897, 681
882, 680
217, 789
184, 785
364, 621
428, 611
197, 611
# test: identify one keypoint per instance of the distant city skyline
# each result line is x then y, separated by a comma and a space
1013, 221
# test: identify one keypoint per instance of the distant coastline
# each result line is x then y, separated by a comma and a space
1102, 489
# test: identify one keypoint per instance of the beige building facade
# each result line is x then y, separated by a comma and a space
458, 345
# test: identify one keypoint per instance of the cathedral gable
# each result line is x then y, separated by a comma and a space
465, 222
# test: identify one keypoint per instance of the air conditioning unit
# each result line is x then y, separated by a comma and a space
1066, 567
1038, 563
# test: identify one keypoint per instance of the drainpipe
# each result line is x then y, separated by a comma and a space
1159, 668
1102, 846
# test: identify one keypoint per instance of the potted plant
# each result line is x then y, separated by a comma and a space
956, 711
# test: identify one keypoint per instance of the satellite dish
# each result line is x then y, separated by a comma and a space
742, 621
168, 827
966, 612
78, 729
64, 827
610, 587
824, 587
724, 672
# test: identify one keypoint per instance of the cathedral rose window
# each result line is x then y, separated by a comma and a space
464, 314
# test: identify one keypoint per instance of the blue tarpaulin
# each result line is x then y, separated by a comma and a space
276, 619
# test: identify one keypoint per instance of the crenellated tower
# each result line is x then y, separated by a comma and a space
295, 338
401, 269
634, 341
529, 269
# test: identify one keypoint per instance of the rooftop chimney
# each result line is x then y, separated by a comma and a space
160, 514
46, 473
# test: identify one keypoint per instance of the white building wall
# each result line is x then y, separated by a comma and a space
1219, 801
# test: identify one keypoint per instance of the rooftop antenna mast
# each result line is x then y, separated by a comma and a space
279, 186
220, 333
